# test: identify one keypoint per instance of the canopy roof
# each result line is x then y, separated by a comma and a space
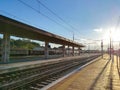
16, 28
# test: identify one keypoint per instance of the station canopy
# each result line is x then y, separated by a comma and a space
16, 28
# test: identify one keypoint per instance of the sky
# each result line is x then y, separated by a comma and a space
87, 19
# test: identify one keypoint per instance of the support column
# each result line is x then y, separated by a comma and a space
46, 49
73, 50
78, 50
63, 50
5, 48
68, 50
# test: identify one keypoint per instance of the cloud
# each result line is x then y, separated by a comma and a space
99, 30
83, 39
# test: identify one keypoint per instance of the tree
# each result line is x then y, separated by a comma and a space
25, 44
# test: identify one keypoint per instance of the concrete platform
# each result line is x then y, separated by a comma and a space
31, 64
100, 75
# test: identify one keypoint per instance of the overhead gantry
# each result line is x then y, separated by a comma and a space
10, 27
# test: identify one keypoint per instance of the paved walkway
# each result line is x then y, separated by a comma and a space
100, 75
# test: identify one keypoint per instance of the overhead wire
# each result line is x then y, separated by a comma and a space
16, 17
43, 14
72, 28
13, 16
55, 14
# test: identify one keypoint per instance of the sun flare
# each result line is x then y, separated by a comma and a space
113, 34
116, 35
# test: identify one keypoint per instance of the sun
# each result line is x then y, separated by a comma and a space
115, 35
111, 33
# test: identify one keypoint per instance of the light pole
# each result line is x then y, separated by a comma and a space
73, 36
102, 48
110, 45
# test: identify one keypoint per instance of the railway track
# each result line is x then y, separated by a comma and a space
36, 78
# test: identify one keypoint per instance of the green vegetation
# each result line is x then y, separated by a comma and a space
24, 44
